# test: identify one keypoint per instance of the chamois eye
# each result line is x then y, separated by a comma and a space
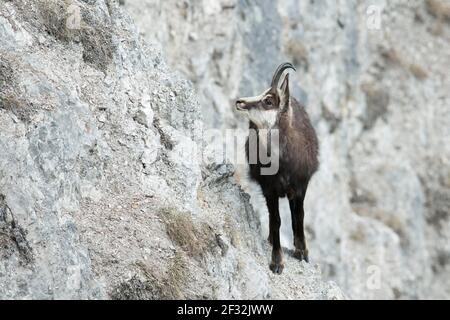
268, 101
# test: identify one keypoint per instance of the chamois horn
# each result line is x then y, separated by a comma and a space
279, 72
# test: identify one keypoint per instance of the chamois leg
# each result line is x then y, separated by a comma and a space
294, 218
297, 215
270, 237
271, 224
277, 264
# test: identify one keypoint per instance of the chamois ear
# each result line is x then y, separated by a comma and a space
284, 92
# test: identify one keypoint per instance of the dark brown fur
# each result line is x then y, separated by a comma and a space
298, 154
298, 161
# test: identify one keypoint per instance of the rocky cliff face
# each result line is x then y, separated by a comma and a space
377, 89
102, 190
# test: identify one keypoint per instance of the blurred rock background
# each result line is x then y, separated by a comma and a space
378, 92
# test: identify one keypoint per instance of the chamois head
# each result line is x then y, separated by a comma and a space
263, 109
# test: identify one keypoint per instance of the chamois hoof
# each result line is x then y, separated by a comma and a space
301, 254
277, 268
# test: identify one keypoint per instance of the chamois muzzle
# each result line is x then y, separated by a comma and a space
240, 104
245, 104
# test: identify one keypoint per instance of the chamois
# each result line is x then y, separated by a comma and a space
297, 154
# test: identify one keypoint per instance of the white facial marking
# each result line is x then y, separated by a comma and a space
264, 119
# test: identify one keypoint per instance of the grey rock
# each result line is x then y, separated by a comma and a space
379, 99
